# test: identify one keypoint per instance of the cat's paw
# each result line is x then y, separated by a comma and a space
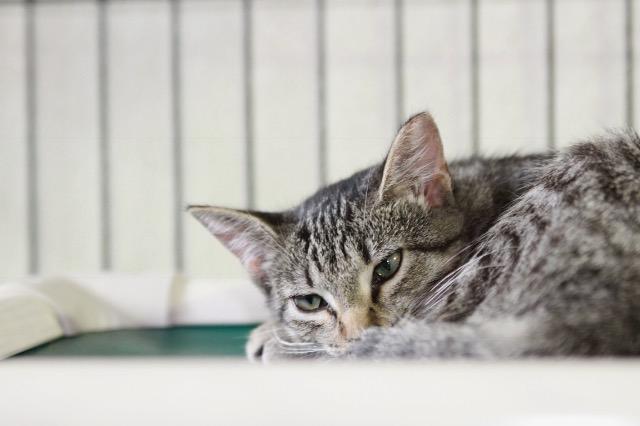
265, 347
258, 340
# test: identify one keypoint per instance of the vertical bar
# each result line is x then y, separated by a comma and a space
398, 30
176, 116
551, 73
322, 90
475, 77
32, 117
629, 63
103, 117
247, 45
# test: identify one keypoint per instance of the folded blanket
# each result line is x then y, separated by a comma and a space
37, 310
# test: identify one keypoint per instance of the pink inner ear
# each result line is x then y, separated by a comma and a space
437, 187
435, 193
416, 163
254, 266
436, 180
251, 258
227, 238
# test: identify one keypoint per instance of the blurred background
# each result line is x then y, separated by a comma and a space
116, 114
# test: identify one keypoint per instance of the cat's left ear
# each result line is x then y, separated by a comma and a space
415, 165
252, 236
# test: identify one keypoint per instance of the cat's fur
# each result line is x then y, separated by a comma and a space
509, 257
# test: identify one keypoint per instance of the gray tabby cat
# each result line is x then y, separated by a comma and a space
490, 258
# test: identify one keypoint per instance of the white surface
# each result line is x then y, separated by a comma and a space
194, 392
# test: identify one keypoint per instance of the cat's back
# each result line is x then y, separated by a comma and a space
590, 189
572, 242
592, 194
603, 172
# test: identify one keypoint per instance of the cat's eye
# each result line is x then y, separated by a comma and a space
387, 268
309, 303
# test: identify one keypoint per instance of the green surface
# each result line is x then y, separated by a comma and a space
227, 340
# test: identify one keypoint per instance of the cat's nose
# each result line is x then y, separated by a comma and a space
353, 322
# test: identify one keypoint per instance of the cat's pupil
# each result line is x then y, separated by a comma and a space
385, 267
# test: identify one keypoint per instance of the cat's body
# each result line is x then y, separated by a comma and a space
557, 274
519, 256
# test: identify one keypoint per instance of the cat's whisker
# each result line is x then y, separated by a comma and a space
451, 275
441, 288
440, 295
294, 345
298, 348
459, 272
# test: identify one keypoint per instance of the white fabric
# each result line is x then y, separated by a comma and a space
203, 301
111, 301
100, 302
87, 303
27, 319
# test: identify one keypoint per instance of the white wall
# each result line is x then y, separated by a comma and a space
242, 92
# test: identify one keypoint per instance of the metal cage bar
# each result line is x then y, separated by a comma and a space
103, 135
32, 138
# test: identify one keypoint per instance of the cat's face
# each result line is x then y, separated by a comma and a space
364, 252
346, 267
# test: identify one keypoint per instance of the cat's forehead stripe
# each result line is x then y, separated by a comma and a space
329, 237
308, 277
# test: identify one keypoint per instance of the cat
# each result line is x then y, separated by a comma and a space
535, 255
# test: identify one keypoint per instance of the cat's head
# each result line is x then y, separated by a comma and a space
356, 254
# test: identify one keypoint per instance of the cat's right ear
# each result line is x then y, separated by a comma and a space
415, 166
251, 236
